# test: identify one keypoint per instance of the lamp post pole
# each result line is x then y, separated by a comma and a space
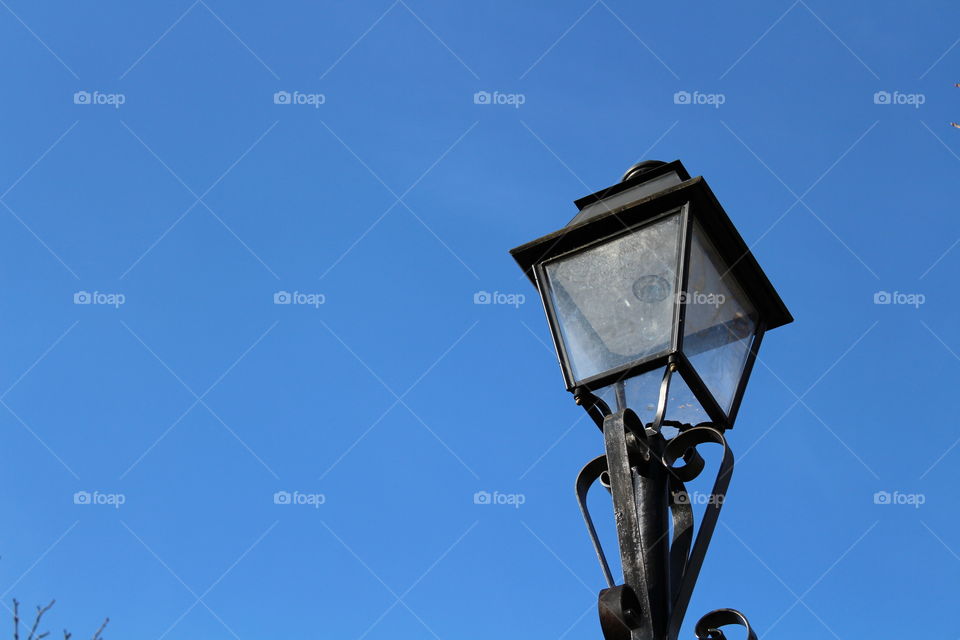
640, 508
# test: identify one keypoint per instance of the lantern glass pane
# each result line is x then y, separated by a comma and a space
642, 394
720, 322
614, 301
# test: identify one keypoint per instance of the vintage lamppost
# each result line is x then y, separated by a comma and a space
657, 309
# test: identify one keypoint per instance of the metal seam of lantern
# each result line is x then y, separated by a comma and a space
657, 308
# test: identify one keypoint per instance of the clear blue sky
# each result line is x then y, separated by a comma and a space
393, 203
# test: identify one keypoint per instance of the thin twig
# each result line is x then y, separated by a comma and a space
103, 626
39, 617
36, 621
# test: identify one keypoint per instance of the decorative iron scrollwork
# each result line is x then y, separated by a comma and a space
638, 459
708, 627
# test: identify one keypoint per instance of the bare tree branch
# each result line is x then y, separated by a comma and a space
36, 621
39, 618
103, 626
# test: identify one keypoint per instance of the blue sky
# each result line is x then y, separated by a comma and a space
150, 162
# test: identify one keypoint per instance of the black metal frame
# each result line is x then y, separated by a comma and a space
691, 200
668, 167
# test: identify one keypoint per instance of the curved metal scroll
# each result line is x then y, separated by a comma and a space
619, 611
585, 479
657, 423
675, 450
708, 627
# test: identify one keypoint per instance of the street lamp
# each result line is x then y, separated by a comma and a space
657, 309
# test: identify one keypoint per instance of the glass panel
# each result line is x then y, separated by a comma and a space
642, 394
682, 406
720, 321
614, 302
